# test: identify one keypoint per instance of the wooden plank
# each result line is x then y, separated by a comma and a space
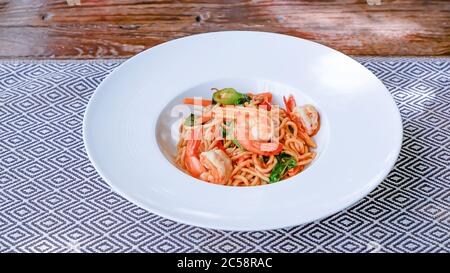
111, 29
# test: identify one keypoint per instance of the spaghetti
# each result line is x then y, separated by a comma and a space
245, 140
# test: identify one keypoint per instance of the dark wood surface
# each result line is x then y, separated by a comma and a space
116, 29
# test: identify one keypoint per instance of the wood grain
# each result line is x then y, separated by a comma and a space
117, 29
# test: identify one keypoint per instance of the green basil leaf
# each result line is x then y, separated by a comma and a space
285, 162
243, 100
237, 144
229, 134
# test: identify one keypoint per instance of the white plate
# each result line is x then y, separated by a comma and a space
128, 123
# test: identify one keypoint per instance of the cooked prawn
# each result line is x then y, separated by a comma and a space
213, 166
306, 116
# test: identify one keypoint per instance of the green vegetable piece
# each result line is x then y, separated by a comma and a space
190, 120
228, 134
224, 133
285, 162
229, 96
237, 144
244, 99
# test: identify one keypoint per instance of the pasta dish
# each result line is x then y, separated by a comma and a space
239, 139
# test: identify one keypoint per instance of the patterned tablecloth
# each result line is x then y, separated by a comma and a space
53, 200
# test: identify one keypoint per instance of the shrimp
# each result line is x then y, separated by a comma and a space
306, 117
212, 166
218, 165
254, 133
254, 129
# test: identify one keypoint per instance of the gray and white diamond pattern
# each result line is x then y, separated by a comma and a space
53, 200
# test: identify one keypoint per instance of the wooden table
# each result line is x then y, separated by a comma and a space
116, 29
